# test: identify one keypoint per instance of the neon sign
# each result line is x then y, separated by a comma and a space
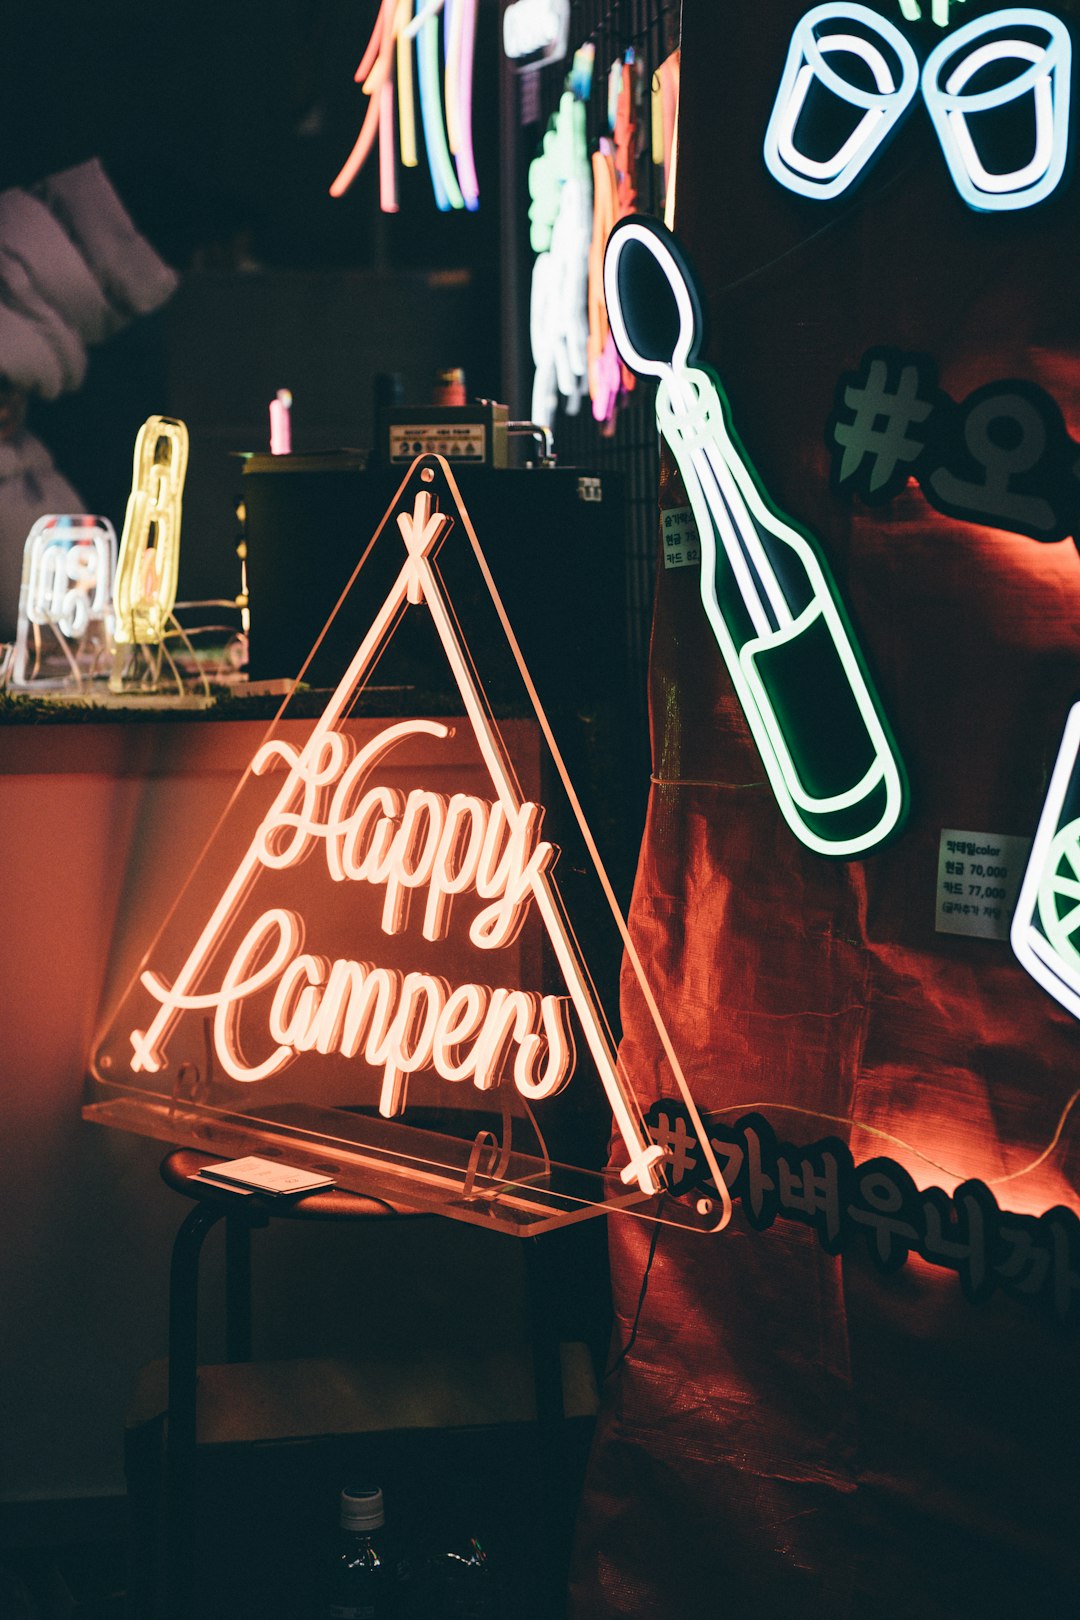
538, 30
1045, 934
774, 611
993, 64
146, 573
445, 73
68, 568
1001, 457
1044, 71
415, 972
836, 30
911, 11
561, 215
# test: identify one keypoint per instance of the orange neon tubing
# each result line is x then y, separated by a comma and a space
372, 73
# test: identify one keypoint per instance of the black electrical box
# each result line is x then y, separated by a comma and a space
473, 434
553, 539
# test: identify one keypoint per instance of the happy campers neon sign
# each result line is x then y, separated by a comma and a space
419, 845
444, 910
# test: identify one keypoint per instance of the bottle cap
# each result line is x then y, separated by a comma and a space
362, 1509
449, 387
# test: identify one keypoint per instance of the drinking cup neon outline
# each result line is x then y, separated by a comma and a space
1044, 65
838, 30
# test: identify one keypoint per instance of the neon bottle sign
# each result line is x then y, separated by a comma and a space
412, 870
561, 229
777, 618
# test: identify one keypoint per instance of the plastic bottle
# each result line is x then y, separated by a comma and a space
458, 1582
364, 1583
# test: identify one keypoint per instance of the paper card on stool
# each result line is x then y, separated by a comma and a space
264, 1175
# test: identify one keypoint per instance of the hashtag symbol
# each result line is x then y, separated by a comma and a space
676, 1141
886, 401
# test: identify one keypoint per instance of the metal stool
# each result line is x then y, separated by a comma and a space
241, 1214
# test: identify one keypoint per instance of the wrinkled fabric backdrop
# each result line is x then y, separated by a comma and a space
792, 1433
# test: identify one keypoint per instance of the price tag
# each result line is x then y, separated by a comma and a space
978, 880
682, 548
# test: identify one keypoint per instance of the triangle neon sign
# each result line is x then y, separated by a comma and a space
229, 1007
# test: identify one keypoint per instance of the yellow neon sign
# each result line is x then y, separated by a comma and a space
144, 593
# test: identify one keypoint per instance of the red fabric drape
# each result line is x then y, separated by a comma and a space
791, 1432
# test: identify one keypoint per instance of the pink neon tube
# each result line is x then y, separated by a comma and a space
464, 157
374, 69
388, 200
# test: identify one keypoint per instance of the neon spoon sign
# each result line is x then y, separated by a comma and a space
414, 981
791, 655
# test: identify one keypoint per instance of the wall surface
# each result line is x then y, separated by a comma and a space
93, 816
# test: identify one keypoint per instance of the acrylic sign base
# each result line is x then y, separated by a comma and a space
397, 958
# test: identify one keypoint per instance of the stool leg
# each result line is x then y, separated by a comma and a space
544, 1333
180, 1432
238, 1287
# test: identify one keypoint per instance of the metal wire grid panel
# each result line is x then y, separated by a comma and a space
652, 29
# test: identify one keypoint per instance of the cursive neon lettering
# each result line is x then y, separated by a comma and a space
456, 860
236, 988
461, 1018
402, 1023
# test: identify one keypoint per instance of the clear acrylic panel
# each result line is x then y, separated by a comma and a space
398, 956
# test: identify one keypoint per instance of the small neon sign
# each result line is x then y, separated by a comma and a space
536, 32
822, 41
68, 567
774, 610
149, 561
391, 898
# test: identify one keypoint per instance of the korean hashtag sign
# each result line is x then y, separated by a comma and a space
1002, 457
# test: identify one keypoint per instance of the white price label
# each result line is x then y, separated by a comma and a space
457, 441
978, 880
682, 548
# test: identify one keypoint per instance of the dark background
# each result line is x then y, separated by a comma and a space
222, 126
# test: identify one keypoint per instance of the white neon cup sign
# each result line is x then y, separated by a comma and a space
69, 563
820, 41
1044, 69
